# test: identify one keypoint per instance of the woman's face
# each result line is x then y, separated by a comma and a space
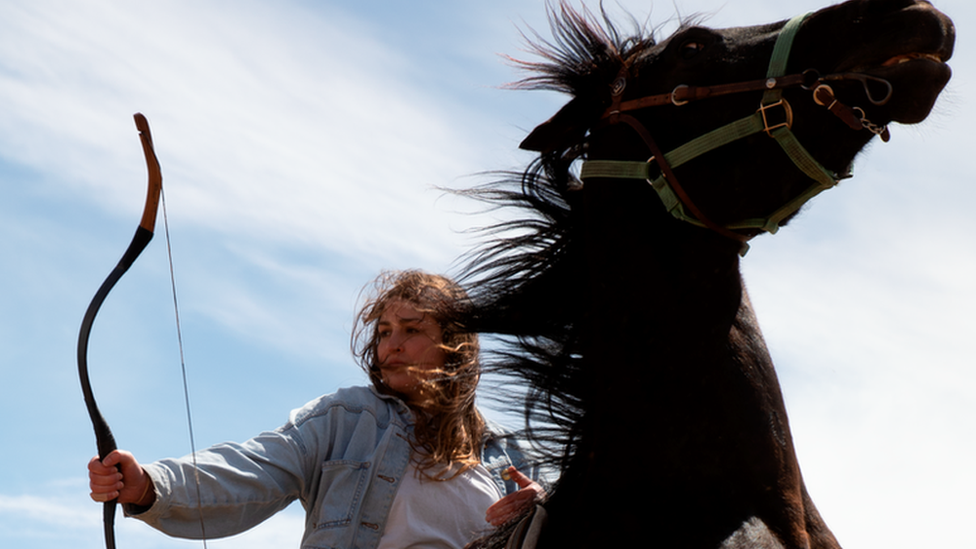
408, 345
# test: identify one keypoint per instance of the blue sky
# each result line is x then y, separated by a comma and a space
300, 142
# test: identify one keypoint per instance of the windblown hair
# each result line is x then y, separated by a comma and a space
524, 277
448, 428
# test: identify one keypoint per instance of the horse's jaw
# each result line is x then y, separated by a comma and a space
914, 64
929, 77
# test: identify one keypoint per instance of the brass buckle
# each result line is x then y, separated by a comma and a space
787, 122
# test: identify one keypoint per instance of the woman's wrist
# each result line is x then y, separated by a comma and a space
148, 496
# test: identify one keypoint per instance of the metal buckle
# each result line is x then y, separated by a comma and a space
674, 96
650, 163
787, 123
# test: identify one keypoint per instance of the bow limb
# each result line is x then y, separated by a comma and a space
144, 233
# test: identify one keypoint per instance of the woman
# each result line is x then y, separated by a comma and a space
407, 462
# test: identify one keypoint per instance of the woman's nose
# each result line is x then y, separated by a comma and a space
394, 343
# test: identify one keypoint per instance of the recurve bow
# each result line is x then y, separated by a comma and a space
144, 233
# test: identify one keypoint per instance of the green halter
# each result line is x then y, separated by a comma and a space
755, 123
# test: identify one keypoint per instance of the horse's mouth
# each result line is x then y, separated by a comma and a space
916, 70
916, 78
905, 58
902, 59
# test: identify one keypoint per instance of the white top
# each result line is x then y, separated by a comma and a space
433, 514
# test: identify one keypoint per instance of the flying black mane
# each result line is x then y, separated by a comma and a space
524, 279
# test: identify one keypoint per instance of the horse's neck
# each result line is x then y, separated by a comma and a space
684, 405
652, 279
662, 302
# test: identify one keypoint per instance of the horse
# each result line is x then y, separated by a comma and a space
614, 288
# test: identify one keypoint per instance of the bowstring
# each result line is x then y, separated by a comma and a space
186, 387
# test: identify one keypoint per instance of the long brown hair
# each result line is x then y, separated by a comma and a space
447, 426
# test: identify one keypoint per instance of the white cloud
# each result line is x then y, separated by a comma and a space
76, 522
275, 126
46, 512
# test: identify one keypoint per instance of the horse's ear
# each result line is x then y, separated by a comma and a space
565, 129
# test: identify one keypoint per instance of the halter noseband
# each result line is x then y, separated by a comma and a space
765, 119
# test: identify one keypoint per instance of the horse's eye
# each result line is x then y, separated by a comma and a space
691, 48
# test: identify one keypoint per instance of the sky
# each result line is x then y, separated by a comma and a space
302, 143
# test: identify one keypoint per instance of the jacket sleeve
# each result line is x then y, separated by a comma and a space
240, 485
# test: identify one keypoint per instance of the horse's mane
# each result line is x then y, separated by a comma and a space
523, 280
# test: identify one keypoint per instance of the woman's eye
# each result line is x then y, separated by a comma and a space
690, 49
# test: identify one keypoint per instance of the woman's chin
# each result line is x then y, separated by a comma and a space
402, 383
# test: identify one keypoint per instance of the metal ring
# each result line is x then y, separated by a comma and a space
674, 100
817, 99
648, 179
867, 91
811, 79
618, 86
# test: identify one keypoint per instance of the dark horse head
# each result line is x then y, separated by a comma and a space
617, 287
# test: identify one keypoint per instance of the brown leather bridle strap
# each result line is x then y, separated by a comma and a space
683, 94
809, 79
658, 156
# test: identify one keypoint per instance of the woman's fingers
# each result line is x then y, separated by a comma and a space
515, 503
119, 476
95, 466
103, 497
520, 479
104, 481
508, 508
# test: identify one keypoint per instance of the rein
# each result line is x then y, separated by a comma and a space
774, 117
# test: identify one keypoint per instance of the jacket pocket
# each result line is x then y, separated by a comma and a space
340, 490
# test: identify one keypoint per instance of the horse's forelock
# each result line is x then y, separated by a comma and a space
586, 52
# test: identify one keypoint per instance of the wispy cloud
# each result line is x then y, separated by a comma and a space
260, 135
53, 521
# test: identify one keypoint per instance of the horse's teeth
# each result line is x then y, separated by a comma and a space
899, 59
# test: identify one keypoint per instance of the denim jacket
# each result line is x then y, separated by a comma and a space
342, 455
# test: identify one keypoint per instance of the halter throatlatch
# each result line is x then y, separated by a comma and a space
774, 117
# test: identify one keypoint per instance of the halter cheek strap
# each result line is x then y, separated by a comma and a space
774, 117
823, 178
